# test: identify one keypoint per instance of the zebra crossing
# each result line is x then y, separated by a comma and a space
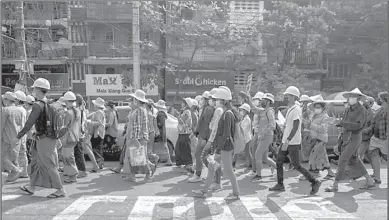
170, 207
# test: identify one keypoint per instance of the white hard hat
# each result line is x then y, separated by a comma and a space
304, 98
195, 102
259, 95
223, 93
69, 96
61, 101
188, 102
20, 95
41, 83
198, 98
30, 99
213, 91
246, 107
292, 90
206, 94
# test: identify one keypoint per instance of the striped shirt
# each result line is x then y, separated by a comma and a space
138, 124
185, 122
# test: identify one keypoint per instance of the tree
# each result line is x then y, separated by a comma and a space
289, 26
362, 30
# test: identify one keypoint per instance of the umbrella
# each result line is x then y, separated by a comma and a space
336, 96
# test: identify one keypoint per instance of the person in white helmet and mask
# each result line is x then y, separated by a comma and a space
71, 138
13, 120
44, 158
21, 98
291, 142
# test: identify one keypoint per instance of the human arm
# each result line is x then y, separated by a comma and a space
34, 115
215, 121
110, 119
358, 122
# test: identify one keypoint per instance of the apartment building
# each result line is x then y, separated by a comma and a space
47, 44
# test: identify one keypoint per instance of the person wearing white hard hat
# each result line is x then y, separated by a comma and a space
244, 112
352, 123
71, 138
30, 140
202, 132
306, 146
223, 144
267, 125
13, 120
183, 150
161, 123
291, 142
21, 98
44, 158
97, 122
195, 119
317, 126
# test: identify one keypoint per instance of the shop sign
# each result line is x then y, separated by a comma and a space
105, 85
58, 81
196, 82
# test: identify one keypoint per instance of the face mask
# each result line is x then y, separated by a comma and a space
256, 102
210, 102
241, 113
263, 104
33, 94
318, 110
352, 101
218, 103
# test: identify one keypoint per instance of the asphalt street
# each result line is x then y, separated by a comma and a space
107, 196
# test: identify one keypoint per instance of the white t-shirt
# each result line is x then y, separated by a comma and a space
293, 114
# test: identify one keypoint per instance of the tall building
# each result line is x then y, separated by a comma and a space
101, 33
47, 45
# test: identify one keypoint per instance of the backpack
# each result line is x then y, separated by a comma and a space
55, 120
238, 137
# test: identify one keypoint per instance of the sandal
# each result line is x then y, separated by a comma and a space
55, 196
231, 197
68, 180
367, 186
113, 170
26, 190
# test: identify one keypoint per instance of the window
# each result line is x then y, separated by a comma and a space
109, 37
110, 71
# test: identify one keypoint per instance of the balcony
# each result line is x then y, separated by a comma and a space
176, 52
107, 53
301, 58
115, 12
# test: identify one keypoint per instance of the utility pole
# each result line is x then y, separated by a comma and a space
24, 67
136, 45
163, 45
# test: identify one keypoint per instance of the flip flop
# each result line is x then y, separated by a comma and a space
114, 170
24, 189
69, 181
55, 196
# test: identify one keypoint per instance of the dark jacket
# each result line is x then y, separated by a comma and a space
161, 124
203, 124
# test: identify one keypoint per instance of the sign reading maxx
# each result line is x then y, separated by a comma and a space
105, 85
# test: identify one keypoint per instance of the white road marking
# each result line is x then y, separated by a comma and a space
314, 207
9, 197
253, 203
81, 205
144, 206
226, 213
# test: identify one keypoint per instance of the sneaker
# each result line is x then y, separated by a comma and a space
195, 179
252, 173
232, 197
82, 174
256, 178
315, 187
278, 187
215, 187
377, 181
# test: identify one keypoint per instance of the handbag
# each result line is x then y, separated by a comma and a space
138, 155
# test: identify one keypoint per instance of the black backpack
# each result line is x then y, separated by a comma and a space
277, 138
55, 120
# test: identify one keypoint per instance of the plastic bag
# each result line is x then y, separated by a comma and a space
138, 155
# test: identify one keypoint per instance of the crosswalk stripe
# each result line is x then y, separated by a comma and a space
225, 214
253, 203
310, 208
81, 205
144, 208
9, 197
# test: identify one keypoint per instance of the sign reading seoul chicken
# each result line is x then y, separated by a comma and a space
196, 82
105, 85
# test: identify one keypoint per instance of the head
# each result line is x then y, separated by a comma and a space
137, 103
318, 108
291, 99
369, 102
266, 103
70, 99
256, 102
79, 101
292, 95
110, 105
41, 87
244, 110
9, 99
29, 103
242, 97
382, 98
184, 104
353, 99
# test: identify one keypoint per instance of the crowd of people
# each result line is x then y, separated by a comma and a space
37, 135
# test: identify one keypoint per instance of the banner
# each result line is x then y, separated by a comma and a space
58, 81
249, 83
111, 85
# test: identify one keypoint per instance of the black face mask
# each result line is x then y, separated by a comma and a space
379, 102
263, 104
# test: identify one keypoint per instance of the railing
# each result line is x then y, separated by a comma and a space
300, 57
103, 49
115, 11
13, 51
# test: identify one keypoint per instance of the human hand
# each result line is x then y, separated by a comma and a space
284, 146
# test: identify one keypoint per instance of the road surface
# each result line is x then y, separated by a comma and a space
106, 196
